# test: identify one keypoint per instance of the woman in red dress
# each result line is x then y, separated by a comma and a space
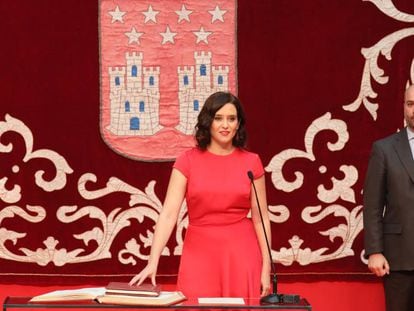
224, 251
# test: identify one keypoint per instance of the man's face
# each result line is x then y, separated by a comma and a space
409, 107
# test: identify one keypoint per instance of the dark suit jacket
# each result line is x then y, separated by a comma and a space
389, 183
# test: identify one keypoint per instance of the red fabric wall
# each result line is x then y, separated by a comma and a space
299, 64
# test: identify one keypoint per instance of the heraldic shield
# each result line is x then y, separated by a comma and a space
159, 61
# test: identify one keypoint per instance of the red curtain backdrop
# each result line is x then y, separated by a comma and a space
320, 81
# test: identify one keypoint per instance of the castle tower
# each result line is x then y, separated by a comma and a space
203, 70
134, 98
149, 113
116, 79
185, 78
151, 78
134, 71
116, 95
220, 78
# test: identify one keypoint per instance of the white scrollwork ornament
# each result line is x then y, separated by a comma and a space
341, 189
142, 205
33, 214
276, 164
347, 232
388, 8
61, 166
371, 69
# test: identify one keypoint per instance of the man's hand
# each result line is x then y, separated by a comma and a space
378, 264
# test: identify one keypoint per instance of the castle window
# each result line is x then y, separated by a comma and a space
117, 81
141, 106
220, 80
196, 105
185, 80
134, 71
203, 70
151, 80
134, 124
127, 107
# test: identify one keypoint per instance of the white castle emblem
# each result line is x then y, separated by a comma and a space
135, 94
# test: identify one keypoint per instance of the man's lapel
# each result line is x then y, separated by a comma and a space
402, 146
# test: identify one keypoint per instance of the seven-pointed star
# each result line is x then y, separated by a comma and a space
150, 15
133, 36
168, 36
183, 14
117, 15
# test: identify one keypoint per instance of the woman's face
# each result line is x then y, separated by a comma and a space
224, 126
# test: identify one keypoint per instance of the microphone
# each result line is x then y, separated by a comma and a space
274, 297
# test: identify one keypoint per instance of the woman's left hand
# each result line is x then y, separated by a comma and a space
265, 283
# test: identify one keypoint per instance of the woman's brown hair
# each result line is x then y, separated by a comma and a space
206, 116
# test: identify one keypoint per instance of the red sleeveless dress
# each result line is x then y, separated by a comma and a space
221, 255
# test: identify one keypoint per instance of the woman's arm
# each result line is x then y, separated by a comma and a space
165, 225
261, 196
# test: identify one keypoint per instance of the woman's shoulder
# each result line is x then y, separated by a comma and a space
248, 154
190, 153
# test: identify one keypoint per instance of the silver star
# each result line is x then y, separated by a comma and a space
168, 36
133, 36
150, 15
117, 15
202, 35
217, 14
183, 14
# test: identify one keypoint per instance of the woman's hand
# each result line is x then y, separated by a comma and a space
150, 271
265, 283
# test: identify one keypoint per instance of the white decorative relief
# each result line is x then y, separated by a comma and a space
346, 231
32, 214
388, 8
142, 206
371, 69
341, 189
60, 164
279, 160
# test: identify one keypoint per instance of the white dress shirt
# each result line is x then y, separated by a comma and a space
410, 134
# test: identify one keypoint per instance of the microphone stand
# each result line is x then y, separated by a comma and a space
274, 297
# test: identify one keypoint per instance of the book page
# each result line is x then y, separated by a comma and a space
71, 294
221, 301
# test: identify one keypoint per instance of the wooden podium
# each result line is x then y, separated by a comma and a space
11, 303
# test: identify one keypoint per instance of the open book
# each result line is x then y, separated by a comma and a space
89, 293
101, 295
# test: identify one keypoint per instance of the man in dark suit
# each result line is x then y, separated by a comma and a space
389, 212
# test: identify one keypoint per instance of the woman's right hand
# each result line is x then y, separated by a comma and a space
149, 271
165, 225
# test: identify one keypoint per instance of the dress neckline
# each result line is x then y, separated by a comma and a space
222, 155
